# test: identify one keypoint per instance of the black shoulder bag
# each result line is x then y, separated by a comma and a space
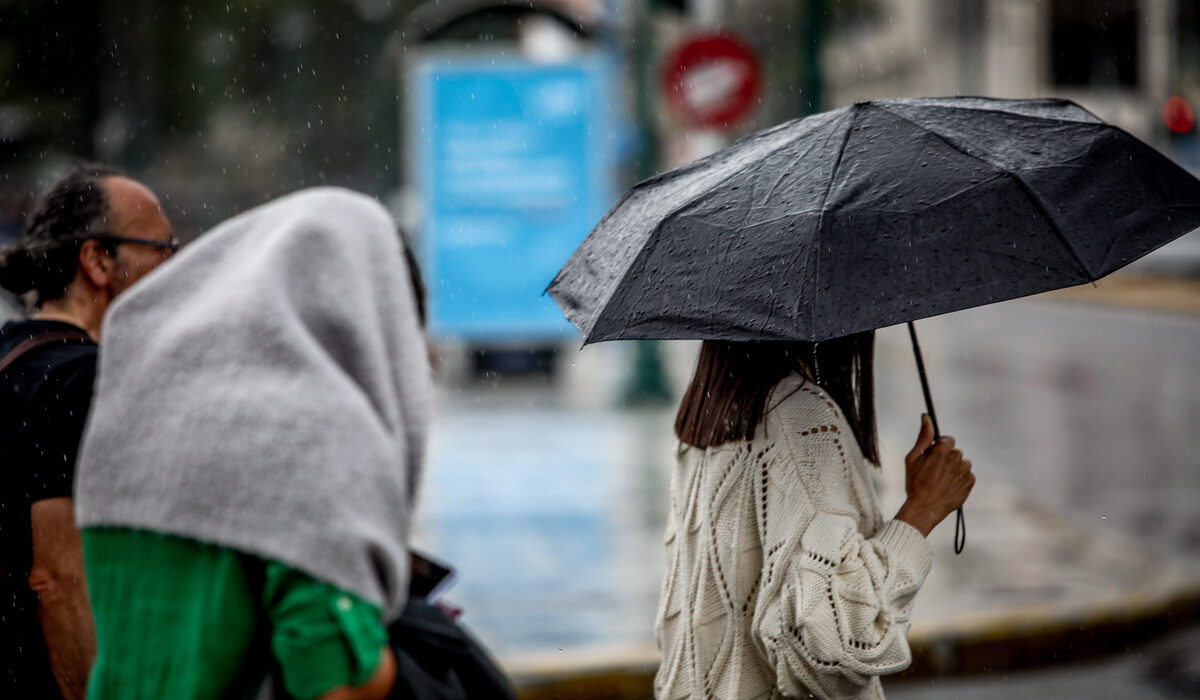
436, 658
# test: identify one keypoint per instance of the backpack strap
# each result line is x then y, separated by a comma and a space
63, 337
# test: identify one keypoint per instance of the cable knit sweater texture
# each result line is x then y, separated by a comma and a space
782, 578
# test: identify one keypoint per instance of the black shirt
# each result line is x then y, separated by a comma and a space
44, 401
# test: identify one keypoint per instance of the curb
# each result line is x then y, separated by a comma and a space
1034, 636
585, 674
1021, 638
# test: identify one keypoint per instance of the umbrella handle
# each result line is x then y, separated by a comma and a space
960, 522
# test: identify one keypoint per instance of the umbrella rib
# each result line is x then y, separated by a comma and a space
779, 180
812, 310
1094, 121
688, 205
640, 188
753, 164
1041, 207
1029, 193
704, 161
1107, 266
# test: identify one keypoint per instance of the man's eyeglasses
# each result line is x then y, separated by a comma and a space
172, 245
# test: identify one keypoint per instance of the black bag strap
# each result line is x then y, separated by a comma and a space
62, 337
65, 337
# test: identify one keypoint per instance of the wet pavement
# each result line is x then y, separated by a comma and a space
1081, 421
552, 515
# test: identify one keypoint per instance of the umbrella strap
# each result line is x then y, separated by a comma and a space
960, 522
960, 532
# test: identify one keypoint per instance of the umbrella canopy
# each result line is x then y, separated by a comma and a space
871, 215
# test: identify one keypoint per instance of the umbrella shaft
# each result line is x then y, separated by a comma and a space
912, 333
960, 522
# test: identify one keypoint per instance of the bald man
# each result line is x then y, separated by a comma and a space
92, 235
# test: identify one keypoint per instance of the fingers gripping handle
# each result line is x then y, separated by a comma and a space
960, 523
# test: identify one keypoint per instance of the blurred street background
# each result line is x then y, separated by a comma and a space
498, 133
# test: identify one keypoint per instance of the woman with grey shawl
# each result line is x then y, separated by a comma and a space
248, 472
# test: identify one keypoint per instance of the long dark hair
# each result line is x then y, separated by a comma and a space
728, 393
71, 210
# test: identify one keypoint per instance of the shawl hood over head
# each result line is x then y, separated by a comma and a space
268, 390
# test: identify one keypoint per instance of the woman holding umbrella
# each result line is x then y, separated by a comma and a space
782, 577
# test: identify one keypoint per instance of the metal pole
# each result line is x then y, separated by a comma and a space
960, 523
812, 85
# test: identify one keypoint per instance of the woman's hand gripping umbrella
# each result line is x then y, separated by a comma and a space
937, 480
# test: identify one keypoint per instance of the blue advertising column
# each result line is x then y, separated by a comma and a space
514, 164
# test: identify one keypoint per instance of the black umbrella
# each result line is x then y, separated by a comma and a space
876, 214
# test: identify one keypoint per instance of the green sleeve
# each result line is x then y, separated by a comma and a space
321, 637
175, 618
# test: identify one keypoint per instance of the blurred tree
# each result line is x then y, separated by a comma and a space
49, 71
219, 105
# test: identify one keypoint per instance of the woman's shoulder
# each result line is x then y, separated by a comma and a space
796, 399
803, 414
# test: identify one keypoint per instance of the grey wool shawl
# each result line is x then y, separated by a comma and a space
267, 390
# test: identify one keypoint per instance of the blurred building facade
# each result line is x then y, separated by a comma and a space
1119, 58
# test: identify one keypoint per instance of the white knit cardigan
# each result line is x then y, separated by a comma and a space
782, 578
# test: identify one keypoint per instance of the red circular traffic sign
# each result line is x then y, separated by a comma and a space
712, 80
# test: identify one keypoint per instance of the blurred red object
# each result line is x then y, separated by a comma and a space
1178, 115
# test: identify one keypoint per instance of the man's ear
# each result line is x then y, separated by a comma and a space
95, 262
